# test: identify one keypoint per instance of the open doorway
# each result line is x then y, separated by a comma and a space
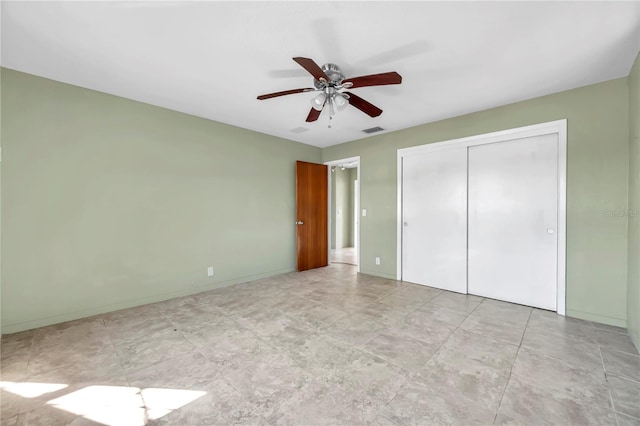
344, 200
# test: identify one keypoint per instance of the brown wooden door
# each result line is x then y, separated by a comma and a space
311, 215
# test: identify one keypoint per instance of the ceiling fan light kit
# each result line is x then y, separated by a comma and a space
331, 83
318, 102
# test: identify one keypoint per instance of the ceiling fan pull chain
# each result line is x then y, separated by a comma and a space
330, 118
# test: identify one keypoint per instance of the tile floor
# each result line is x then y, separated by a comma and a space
344, 255
326, 346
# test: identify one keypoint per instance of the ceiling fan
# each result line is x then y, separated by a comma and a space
331, 83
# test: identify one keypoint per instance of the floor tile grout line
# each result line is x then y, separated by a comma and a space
617, 413
116, 353
618, 376
583, 369
361, 348
606, 378
482, 335
504, 391
26, 372
620, 352
413, 375
604, 367
454, 331
558, 358
526, 326
396, 323
31, 349
459, 327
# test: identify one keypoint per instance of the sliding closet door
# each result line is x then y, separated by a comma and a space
513, 217
434, 219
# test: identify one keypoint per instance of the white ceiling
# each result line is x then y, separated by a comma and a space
211, 59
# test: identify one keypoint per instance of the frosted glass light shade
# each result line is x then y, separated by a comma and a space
318, 102
340, 101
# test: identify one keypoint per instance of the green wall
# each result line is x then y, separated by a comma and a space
597, 182
633, 295
344, 199
110, 203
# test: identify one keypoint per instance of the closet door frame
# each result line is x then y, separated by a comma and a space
558, 127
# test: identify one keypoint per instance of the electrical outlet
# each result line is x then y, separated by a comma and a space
377, 260
210, 271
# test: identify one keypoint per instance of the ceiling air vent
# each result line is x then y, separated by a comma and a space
373, 130
299, 130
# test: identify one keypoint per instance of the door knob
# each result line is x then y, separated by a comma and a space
299, 222
405, 223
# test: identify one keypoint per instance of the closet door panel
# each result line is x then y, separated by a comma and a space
434, 219
513, 217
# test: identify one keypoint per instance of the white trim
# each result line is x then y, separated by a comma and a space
503, 135
562, 218
342, 161
329, 224
558, 127
359, 246
356, 213
399, 224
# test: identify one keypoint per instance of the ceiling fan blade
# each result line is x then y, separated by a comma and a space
364, 106
375, 80
313, 115
286, 92
312, 68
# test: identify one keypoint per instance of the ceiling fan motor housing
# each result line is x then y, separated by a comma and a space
335, 77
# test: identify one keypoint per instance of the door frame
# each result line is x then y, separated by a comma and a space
558, 127
356, 211
356, 198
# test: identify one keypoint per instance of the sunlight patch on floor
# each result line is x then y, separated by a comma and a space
110, 405
124, 405
30, 390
